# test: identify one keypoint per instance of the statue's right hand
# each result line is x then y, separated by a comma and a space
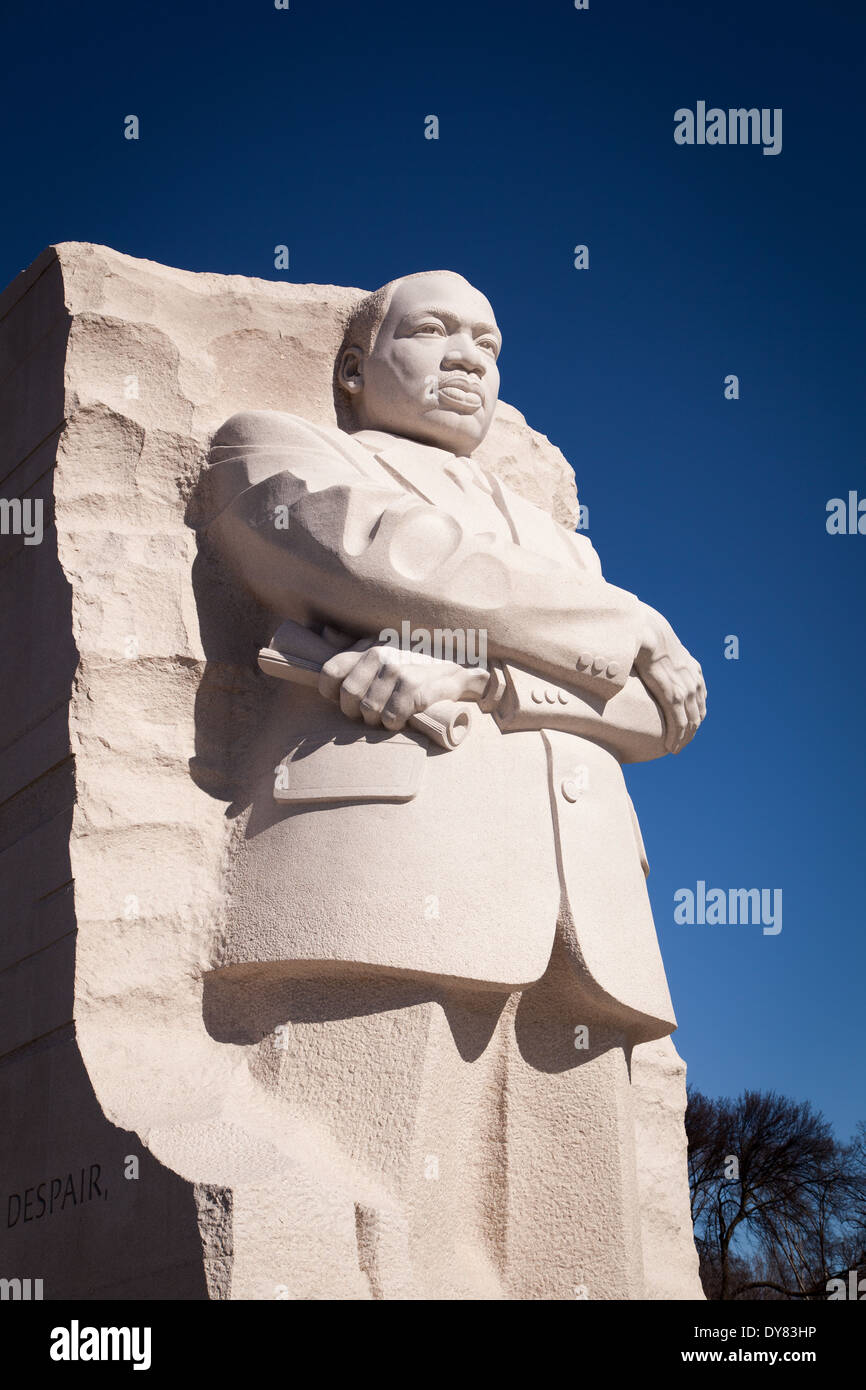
385, 686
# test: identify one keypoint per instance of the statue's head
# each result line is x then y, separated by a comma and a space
419, 360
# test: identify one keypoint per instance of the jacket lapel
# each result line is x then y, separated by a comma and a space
422, 469
533, 527
419, 467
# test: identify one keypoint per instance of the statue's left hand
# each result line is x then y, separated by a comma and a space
672, 675
384, 686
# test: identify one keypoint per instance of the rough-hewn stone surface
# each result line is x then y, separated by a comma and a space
670, 1260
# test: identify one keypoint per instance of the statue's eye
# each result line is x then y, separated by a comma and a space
489, 345
430, 328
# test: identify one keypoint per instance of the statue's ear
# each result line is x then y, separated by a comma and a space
350, 370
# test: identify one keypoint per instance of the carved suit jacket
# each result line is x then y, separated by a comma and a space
385, 851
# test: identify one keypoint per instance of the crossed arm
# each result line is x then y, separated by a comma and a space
371, 682
317, 540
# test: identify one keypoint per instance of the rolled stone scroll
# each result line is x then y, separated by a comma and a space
297, 654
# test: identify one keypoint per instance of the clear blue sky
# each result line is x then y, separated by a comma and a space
305, 127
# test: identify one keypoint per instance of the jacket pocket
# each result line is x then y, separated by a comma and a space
377, 766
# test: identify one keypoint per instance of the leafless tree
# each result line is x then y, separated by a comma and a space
778, 1204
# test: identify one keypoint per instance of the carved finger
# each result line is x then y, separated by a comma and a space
378, 694
676, 719
356, 685
334, 672
400, 706
693, 712
702, 699
350, 702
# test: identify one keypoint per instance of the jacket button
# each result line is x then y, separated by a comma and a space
597, 666
563, 698
550, 697
569, 789
537, 696
613, 669
583, 662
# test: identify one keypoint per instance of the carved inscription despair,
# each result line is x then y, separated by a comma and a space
52, 1195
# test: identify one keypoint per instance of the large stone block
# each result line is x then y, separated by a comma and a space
128, 694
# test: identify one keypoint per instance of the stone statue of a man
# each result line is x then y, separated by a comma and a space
460, 942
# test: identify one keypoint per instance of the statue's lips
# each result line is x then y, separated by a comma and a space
465, 399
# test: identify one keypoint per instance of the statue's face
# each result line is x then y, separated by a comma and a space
432, 373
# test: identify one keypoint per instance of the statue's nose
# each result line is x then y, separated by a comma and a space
463, 351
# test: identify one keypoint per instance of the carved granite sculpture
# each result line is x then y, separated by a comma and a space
319, 982
473, 925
